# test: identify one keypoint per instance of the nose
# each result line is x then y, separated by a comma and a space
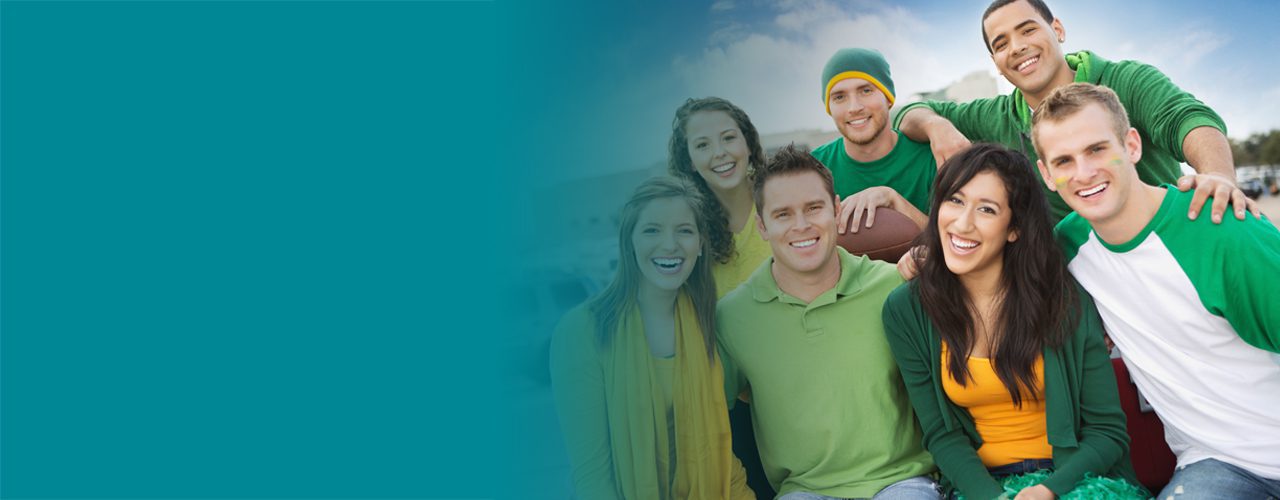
1017, 45
720, 151
802, 221
1087, 169
670, 242
963, 222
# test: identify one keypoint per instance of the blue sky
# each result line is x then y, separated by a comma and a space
767, 56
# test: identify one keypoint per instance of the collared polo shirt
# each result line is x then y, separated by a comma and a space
831, 412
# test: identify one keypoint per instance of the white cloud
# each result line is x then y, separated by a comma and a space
722, 6
774, 74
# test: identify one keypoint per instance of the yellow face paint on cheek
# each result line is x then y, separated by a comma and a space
1060, 180
1116, 161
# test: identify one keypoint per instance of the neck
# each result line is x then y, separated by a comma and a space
654, 300
983, 286
878, 148
737, 203
1140, 207
1064, 78
807, 286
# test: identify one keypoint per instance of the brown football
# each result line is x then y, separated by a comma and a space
886, 240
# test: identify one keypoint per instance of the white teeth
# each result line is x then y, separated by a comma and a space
1027, 63
668, 262
962, 243
805, 243
857, 122
1092, 191
723, 168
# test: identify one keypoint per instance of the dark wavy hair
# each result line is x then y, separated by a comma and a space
1038, 306
680, 165
613, 304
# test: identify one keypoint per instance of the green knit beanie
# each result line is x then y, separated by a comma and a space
866, 64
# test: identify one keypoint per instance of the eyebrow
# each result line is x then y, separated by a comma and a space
1002, 36
960, 192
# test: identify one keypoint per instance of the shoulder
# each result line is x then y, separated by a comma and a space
574, 336
1128, 76
736, 307
1239, 236
1072, 233
904, 299
830, 152
870, 276
906, 144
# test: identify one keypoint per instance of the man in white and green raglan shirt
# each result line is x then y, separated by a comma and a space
1025, 43
1194, 308
873, 165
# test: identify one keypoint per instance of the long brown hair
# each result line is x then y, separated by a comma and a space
619, 297
680, 165
1037, 306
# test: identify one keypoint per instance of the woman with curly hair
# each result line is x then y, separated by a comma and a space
714, 146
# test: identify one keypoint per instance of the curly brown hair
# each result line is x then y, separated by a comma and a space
680, 165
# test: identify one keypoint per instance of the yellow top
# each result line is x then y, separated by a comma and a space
751, 251
1009, 434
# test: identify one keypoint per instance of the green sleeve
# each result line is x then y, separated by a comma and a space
1253, 270
1103, 438
909, 333
577, 382
1159, 109
734, 383
977, 120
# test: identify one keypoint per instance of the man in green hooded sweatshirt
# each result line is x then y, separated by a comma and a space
1025, 42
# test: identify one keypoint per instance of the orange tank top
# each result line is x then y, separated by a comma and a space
1009, 434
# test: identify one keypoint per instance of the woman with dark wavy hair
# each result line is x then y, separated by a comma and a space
1001, 351
715, 147
635, 373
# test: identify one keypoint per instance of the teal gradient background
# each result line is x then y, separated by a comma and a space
248, 249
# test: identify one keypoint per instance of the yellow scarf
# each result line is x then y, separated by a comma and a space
638, 417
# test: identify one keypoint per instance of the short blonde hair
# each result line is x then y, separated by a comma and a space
1069, 100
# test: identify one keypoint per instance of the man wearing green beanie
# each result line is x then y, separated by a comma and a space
1025, 40
873, 165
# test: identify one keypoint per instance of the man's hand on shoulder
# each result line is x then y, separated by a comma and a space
1223, 190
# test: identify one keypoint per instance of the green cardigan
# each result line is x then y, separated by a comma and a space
1085, 424
1162, 112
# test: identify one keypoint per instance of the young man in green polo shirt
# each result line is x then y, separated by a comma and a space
1193, 308
804, 336
1025, 43
873, 165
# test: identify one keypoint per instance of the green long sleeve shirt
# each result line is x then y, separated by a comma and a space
1084, 421
1162, 113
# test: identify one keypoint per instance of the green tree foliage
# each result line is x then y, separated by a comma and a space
1257, 149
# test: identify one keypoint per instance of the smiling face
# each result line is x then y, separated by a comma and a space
717, 149
667, 243
799, 222
860, 111
973, 224
1085, 162
1027, 49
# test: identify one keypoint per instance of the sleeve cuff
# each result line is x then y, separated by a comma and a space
1190, 124
897, 120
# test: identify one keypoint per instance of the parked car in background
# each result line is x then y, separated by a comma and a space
1253, 188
